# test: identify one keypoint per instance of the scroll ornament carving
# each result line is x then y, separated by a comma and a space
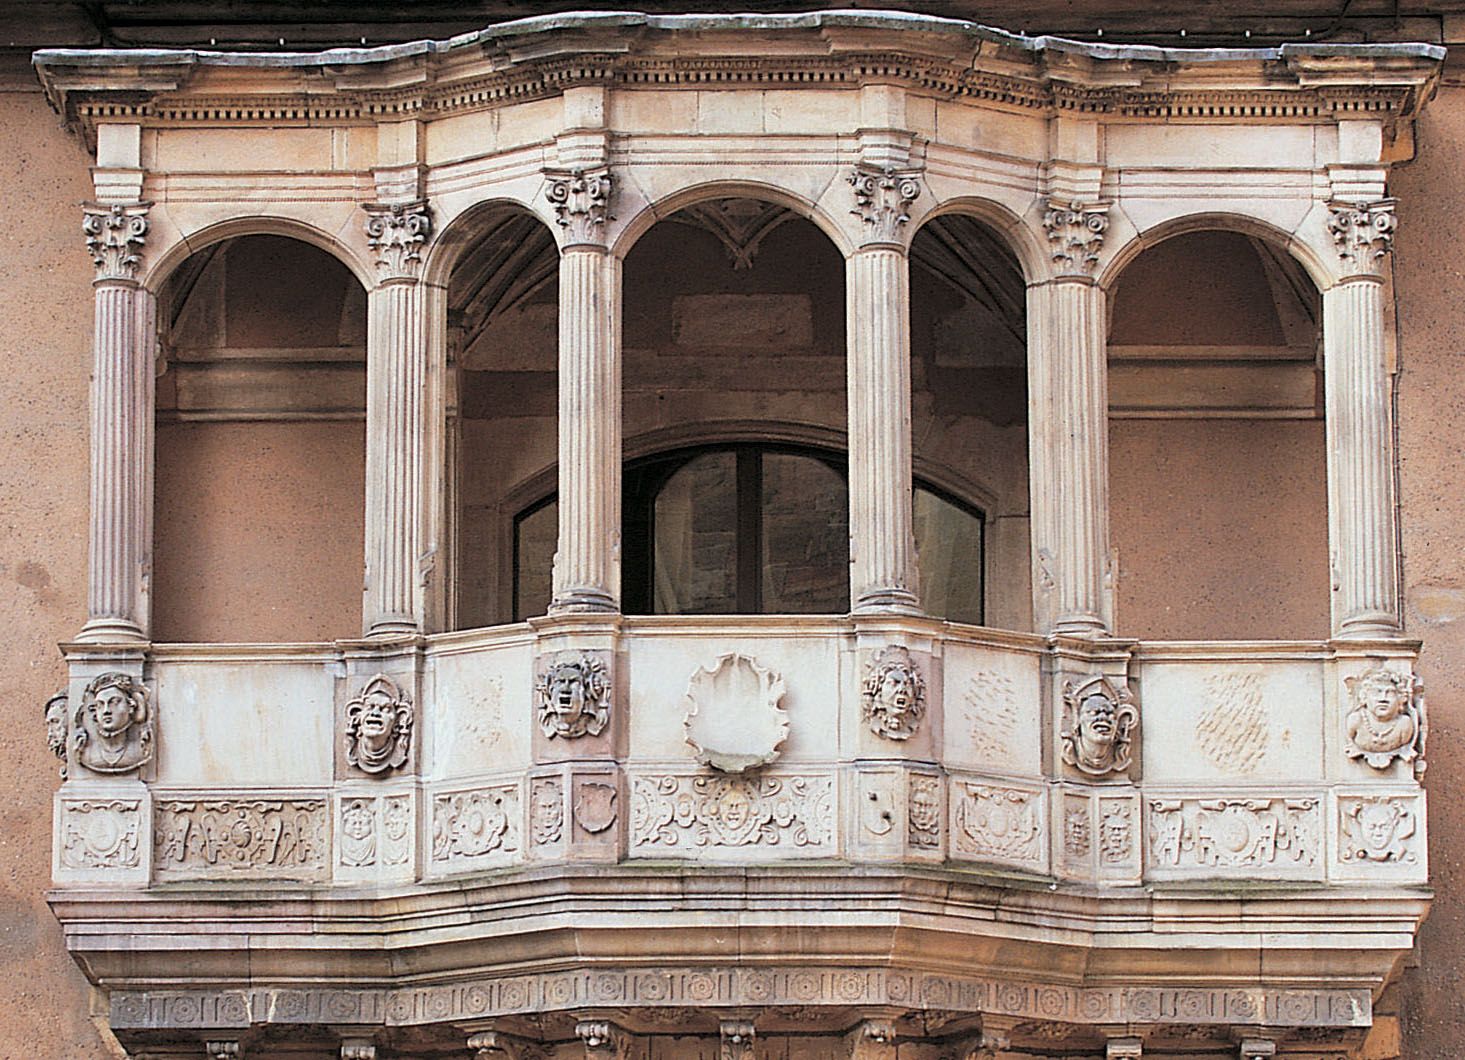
100, 834
893, 694
55, 712
1076, 232
574, 696
1234, 833
1387, 719
882, 200
114, 238
1378, 828
1098, 726
473, 824
112, 731
735, 721
379, 727
581, 200
397, 232
998, 822
732, 811
1363, 234
256, 837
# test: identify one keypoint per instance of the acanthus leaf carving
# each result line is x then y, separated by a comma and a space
1387, 720
112, 730
115, 236
1099, 725
724, 811
581, 199
100, 833
55, 714
397, 232
1378, 828
736, 721
1076, 232
893, 694
737, 1040
1363, 234
574, 695
379, 722
883, 198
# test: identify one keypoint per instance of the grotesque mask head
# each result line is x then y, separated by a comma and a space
1100, 720
379, 726
894, 694
574, 696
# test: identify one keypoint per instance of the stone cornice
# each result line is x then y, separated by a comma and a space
539, 57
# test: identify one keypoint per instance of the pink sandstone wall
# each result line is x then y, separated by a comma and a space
46, 277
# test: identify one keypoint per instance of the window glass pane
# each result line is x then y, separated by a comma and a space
805, 553
534, 543
695, 548
949, 543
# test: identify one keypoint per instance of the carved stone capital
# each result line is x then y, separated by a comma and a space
882, 201
397, 232
872, 1039
358, 1049
1363, 234
496, 1045
603, 1040
581, 200
738, 1037
223, 1050
114, 238
1076, 232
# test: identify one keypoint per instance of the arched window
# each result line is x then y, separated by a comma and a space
752, 528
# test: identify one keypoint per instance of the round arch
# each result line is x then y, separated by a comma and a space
1018, 237
258, 225
1218, 221
447, 247
652, 213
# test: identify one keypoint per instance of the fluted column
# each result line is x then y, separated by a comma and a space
123, 340
1068, 429
883, 574
587, 560
1361, 513
396, 369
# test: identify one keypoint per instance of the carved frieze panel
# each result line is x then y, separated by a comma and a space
1100, 720
1380, 833
374, 832
1245, 836
682, 815
471, 829
1386, 719
55, 715
991, 821
735, 718
893, 694
573, 695
100, 834
112, 730
263, 839
379, 721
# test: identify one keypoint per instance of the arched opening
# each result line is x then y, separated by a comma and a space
260, 445
1218, 478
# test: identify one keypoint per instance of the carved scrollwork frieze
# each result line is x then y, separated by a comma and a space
397, 233
1363, 234
581, 199
1236, 835
211, 838
115, 236
685, 814
1076, 235
883, 198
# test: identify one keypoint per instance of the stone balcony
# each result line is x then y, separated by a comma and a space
677, 819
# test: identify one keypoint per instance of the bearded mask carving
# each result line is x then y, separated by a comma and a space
1099, 723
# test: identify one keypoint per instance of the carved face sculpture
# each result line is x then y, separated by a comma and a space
379, 726
894, 694
1382, 696
1096, 724
1377, 824
925, 807
1383, 724
356, 820
113, 710
56, 724
1101, 718
574, 697
112, 729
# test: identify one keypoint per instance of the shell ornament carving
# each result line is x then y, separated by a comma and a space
735, 721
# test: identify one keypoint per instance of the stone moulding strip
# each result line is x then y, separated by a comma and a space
714, 988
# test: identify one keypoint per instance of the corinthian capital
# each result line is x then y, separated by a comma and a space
1363, 233
114, 238
581, 201
1076, 232
397, 232
883, 199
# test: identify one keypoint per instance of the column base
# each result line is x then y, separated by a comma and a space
584, 601
1080, 626
891, 601
111, 631
1369, 625
393, 627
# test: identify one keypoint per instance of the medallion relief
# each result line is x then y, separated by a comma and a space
893, 695
721, 811
1386, 720
735, 720
112, 731
573, 693
379, 724
1099, 720
1378, 828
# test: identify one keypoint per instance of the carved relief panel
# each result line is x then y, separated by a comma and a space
113, 731
893, 694
55, 714
1385, 720
701, 816
101, 839
473, 829
572, 694
250, 838
1100, 726
1097, 837
378, 727
375, 836
1252, 837
996, 821
1381, 835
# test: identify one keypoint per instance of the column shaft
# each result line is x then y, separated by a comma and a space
121, 462
1360, 461
587, 562
1068, 446
396, 370
882, 546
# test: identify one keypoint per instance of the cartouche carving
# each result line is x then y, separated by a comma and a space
114, 238
726, 811
581, 201
893, 694
882, 200
1076, 231
1387, 719
1363, 233
1377, 828
594, 806
254, 838
1099, 723
397, 232
100, 833
998, 822
55, 712
112, 731
574, 693
379, 726
736, 721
